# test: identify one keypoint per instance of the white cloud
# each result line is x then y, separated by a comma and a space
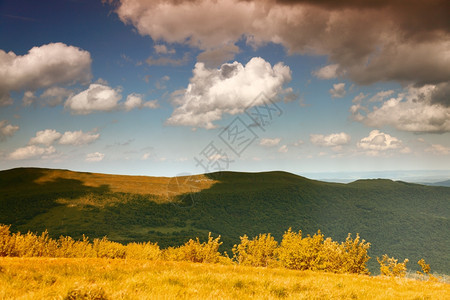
359, 98
438, 149
28, 98
230, 89
78, 138
338, 90
31, 151
269, 142
43, 67
146, 156
98, 97
327, 72
135, 101
283, 149
45, 137
55, 95
7, 130
412, 110
379, 141
331, 140
380, 96
94, 157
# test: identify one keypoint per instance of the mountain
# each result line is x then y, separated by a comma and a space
401, 219
441, 183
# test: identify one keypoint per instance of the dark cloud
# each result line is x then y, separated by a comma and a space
366, 41
441, 94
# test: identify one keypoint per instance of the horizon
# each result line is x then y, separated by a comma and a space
411, 176
165, 87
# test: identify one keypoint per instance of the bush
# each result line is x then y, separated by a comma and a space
147, 250
295, 252
315, 253
258, 252
108, 249
355, 256
425, 267
300, 253
7, 242
194, 251
390, 266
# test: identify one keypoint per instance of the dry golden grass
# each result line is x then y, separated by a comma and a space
166, 187
59, 278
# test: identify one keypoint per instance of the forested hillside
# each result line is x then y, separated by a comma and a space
401, 219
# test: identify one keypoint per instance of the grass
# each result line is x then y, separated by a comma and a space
401, 219
65, 278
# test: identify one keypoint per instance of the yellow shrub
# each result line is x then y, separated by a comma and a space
68, 247
108, 249
425, 267
143, 251
258, 252
355, 256
7, 242
390, 266
194, 251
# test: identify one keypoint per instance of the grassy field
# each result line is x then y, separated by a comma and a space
59, 278
400, 219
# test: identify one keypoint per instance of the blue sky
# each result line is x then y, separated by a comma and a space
155, 87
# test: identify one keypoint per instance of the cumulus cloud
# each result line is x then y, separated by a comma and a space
94, 157
135, 101
269, 142
338, 90
438, 149
230, 89
378, 141
7, 130
45, 137
331, 140
366, 41
78, 138
31, 151
98, 97
327, 72
411, 110
42, 67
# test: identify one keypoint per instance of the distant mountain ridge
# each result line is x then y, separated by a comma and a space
441, 183
404, 220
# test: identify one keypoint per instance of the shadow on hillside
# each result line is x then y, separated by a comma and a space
22, 197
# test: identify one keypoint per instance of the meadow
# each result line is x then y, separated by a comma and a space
99, 278
401, 219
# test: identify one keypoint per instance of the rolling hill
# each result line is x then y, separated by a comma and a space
401, 219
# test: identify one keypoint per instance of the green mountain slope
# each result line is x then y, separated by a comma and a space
401, 219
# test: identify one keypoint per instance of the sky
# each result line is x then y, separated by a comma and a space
169, 87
